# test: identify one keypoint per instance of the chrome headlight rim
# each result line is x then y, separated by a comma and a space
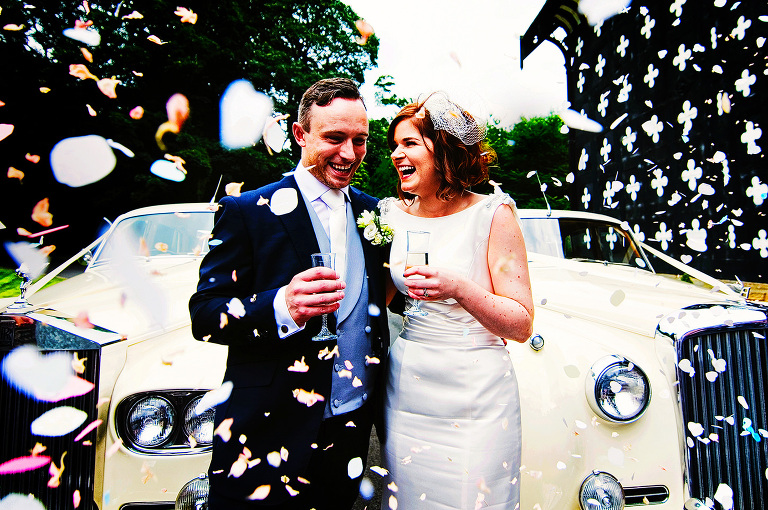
178, 442
595, 379
602, 477
170, 415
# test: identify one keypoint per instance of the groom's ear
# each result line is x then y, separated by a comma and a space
298, 134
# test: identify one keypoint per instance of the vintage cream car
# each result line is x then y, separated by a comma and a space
637, 388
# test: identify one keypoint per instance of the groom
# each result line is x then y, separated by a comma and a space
294, 432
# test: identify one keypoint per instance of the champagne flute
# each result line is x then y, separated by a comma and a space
416, 255
324, 260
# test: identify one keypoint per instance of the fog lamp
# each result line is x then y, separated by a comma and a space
194, 494
601, 491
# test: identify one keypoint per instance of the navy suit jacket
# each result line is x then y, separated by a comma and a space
255, 252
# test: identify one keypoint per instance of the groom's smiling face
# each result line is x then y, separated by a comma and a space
335, 142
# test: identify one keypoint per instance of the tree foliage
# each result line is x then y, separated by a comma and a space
533, 145
280, 46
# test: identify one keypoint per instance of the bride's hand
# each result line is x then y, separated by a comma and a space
430, 283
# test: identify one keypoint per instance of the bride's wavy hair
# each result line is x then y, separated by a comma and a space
459, 166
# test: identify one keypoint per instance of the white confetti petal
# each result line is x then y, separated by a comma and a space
355, 468
284, 201
58, 421
82, 160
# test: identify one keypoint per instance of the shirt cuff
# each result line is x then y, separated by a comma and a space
285, 323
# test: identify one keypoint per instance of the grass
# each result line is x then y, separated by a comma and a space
9, 283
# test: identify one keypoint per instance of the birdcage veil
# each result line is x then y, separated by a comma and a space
448, 116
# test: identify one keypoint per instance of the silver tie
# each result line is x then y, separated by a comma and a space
337, 225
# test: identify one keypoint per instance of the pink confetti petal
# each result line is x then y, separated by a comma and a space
22, 464
87, 429
5, 130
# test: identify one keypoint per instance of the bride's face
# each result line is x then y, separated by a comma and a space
414, 160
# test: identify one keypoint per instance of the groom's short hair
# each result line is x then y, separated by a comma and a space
322, 93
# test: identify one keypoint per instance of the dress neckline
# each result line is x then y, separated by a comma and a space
482, 201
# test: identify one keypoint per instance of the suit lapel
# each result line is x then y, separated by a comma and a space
299, 226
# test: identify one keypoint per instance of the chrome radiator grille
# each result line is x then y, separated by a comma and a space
17, 411
732, 412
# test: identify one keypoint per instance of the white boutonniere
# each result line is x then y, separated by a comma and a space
375, 231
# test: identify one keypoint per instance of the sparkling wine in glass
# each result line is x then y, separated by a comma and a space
324, 260
416, 255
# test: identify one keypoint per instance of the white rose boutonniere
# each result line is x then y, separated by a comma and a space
374, 230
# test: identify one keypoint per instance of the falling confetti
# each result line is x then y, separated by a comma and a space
214, 397
58, 421
177, 108
233, 188
168, 170
82, 160
284, 201
365, 29
22, 464
355, 468
186, 15
576, 120
244, 113
260, 493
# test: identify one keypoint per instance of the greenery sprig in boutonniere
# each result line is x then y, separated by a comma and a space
375, 231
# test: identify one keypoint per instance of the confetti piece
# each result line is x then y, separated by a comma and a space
87, 36
724, 496
223, 429
41, 215
366, 489
5, 130
233, 188
56, 473
617, 297
273, 459
32, 158
37, 375
299, 366
743, 402
58, 421
22, 464
14, 173
76, 498
308, 398
576, 120
81, 321
186, 15
167, 170
82, 160
355, 468
107, 86
81, 71
365, 29
136, 113
274, 134
155, 39
260, 493
243, 115
284, 201
695, 428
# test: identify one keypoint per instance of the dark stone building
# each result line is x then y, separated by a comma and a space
680, 90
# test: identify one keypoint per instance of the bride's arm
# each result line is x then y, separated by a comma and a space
507, 311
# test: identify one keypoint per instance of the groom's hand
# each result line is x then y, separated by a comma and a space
313, 292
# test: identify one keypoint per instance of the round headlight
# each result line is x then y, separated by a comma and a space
194, 495
150, 421
198, 427
617, 389
601, 491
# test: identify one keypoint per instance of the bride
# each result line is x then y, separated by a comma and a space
452, 410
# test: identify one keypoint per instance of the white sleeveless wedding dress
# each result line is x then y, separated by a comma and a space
452, 410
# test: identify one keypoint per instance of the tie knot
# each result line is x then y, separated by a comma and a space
334, 198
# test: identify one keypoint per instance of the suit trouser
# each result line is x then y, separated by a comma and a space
340, 439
